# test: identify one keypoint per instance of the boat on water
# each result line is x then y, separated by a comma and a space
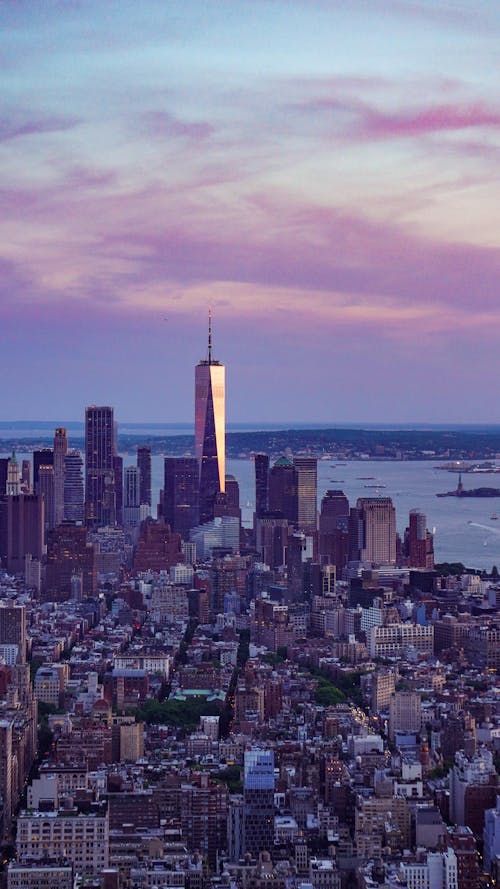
366, 478
337, 481
375, 486
493, 516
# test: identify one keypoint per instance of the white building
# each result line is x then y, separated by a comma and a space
81, 839
491, 836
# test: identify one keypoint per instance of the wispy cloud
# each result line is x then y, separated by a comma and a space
17, 126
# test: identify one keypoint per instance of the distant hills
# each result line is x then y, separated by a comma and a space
460, 443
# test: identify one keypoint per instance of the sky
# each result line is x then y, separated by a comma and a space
324, 175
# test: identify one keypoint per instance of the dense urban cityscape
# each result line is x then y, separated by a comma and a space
188, 701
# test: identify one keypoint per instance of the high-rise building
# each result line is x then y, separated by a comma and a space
68, 555
100, 494
13, 627
258, 796
181, 494
283, 490
46, 490
4, 463
420, 543
13, 476
21, 530
74, 509
131, 495
334, 529
210, 431
307, 492
405, 712
261, 466
42, 457
144, 466
25, 477
60, 451
118, 477
379, 529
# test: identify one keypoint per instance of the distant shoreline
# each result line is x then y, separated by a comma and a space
335, 443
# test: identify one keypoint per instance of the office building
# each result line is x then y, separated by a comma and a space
46, 490
419, 542
60, 451
307, 492
40, 876
13, 476
131, 495
100, 494
158, 548
400, 640
210, 430
491, 837
144, 467
41, 457
74, 510
118, 477
473, 784
68, 555
283, 495
66, 835
379, 530
181, 494
258, 796
405, 713
21, 530
333, 544
4, 464
25, 477
13, 628
261, 467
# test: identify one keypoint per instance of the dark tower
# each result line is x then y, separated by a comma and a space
100, 497
144, 466
181, 494
283, 497
261, 465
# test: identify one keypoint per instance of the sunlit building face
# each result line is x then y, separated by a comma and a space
210, 432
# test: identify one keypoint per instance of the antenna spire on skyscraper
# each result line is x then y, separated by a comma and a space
210, 336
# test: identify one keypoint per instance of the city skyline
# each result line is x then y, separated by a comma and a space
325, 177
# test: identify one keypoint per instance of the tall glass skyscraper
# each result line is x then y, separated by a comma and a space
210, 429
258, 797
73, 487
100, 495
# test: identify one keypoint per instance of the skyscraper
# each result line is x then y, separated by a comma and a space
100, 497
210, 429
46, 489
258, 796
261, 466
420, 544
42, 457
181, 494
73, 487
21, 529
144, 466
379, 529
131, 495
307, 492
60, 451
13, 476
283, 489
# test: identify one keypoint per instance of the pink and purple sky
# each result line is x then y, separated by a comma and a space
325, 175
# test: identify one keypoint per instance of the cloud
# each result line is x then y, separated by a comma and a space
434, 119
18, 125
164, 125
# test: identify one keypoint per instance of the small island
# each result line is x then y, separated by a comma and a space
470, 492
